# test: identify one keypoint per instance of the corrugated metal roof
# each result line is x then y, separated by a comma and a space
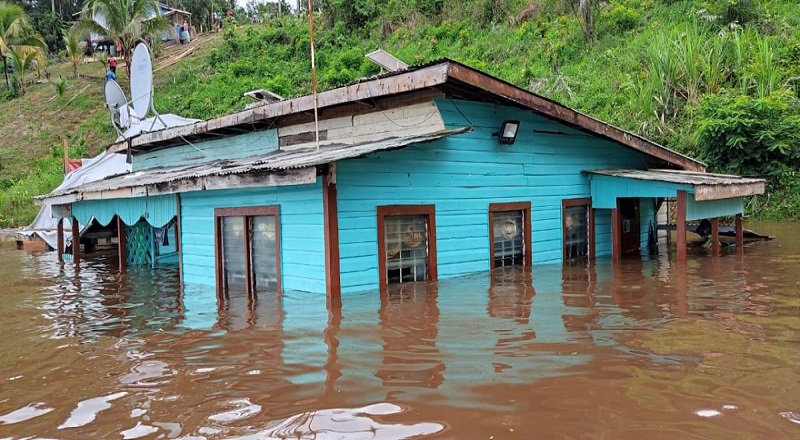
678, 177
276, 161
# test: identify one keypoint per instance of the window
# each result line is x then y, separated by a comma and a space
406, 244
509, 234
578, 228
248, 256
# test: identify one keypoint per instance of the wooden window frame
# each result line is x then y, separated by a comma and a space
253, 211
395, 210
586, 201
525, 207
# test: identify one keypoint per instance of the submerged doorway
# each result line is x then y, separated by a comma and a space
629, 225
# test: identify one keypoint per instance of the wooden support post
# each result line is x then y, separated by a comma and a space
740, 233
616, 237
330, 208
715, 237
60, 238
680, 222
178, 241
122, 244
76, 240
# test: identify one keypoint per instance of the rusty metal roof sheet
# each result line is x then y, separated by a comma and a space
277, 161
678, 176
706, 186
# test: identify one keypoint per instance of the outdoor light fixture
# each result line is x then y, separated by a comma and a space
508, 132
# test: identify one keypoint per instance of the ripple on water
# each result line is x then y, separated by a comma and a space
87, 410
25, 413
350, 423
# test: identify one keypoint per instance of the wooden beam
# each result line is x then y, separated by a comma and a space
740, 233
715, 248
728, 191
60, 237
330, 207
178, 241
122, 245
681, 225
76, 240
616, 236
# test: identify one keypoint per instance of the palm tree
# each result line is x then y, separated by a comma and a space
75, 46
16, 32
22, 57
126, 21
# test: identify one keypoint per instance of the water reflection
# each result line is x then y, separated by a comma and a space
640, 349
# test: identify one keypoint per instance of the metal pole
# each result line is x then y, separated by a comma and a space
313, 73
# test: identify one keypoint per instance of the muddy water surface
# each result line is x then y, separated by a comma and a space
647, 350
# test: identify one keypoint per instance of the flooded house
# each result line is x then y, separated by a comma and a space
423, 174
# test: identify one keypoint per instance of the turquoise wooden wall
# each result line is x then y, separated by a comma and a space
157, 210
462, 175
713, 208
234, 147
302, 239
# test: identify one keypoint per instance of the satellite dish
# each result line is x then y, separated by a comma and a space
115, 100
141, 81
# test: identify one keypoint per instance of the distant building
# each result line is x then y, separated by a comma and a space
423, 174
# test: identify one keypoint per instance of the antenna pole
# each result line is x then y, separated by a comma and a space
313, 72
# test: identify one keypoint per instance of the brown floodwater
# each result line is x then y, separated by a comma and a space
646, 350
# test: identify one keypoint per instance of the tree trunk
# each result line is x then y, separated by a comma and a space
5, 70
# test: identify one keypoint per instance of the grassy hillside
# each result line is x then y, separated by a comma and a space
716, 79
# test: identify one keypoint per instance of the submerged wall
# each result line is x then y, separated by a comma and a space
462, 175
302, 241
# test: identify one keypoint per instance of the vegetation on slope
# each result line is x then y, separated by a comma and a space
716, 79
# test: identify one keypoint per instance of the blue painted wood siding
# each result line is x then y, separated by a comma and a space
302, 240
234, 147
462, 175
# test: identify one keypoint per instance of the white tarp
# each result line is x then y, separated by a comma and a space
103, 165
155, 124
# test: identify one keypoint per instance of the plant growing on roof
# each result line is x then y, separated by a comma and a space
126, 21
16, 32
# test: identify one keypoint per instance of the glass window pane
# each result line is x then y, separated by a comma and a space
406, 248
264, 252
233, 261
576, 236
508, 236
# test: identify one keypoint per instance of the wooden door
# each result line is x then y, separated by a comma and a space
629, 225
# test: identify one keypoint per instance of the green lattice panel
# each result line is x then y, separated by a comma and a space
140, 244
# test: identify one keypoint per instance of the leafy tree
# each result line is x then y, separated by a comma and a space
753, 136
49, 25
126, 21
16, 33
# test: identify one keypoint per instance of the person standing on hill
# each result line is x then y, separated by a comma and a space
112, 65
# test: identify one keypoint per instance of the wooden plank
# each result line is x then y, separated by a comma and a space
740, 233
715, 247
714, 192
122, 245
60, 238
680, 223
616, 236
76, 241
178, 221
330, 203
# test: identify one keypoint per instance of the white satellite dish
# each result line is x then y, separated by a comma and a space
116, 100
141, 81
